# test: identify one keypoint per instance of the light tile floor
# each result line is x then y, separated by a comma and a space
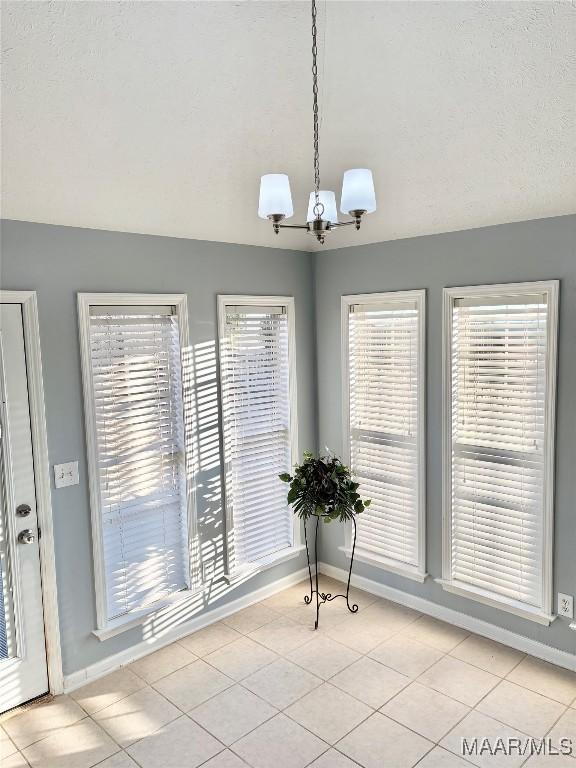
387, 688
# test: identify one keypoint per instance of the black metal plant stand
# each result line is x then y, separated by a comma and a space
326, 597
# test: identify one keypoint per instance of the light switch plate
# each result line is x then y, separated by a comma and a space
565, 605
66, 474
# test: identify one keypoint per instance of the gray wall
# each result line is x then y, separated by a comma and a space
58, 262
532, 250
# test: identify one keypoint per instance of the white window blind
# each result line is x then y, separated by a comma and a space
386, 408
135, 366
500, 444
256, 398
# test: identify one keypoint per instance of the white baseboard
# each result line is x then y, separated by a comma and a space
112, 663
462, 620
526, 645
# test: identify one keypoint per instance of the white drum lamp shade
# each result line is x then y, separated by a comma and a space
358, 191
328, 200
275, 196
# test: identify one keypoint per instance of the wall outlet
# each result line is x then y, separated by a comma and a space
565, 605
66, 474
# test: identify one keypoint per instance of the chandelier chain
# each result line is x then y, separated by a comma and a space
357, 185
315, 105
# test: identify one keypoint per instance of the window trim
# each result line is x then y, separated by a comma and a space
106, 627
419, 573
235, 572
543, 614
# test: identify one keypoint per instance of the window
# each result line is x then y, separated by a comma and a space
257, 368
132, 371
383, 363
500, 383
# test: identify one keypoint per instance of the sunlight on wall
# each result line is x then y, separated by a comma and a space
203, 460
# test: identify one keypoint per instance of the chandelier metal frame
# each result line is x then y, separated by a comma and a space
318, 226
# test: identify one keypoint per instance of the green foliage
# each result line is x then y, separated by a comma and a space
323, 487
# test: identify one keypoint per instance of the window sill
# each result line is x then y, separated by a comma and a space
511, 606
387, 565
245, 572
137, 618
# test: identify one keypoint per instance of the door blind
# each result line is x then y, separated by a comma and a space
257, 443
384, 361
3, 606
137, 386
498, 406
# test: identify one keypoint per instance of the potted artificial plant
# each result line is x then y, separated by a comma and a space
323, 487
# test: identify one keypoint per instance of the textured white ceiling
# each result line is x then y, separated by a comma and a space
160, 117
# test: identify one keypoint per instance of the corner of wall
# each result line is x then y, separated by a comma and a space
316, 394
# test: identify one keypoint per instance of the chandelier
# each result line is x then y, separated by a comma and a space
357, 197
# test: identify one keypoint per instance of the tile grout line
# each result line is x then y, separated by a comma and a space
186, 713
234, 682
378, 711
85, 717
151, 685
205, 762
170, 722
326, 681
458, 722
101, 762
229, 746
432, 748
474, 709
283, 613
283, 711
412, 680
148, 684
567, 709
182, 713
341, 737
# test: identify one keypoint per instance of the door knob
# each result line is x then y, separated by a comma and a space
23, 510
26, 536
